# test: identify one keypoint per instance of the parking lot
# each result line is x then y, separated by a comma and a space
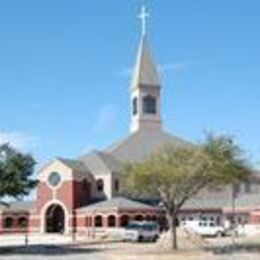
64, 249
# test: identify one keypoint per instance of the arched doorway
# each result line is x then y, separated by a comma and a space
55, 219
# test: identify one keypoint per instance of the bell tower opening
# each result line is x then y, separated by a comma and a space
149, 105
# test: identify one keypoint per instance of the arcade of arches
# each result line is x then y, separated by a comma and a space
120, 220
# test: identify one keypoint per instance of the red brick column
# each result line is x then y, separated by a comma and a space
117, 220
104, 221
1, 224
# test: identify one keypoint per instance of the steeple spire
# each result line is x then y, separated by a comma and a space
145, 71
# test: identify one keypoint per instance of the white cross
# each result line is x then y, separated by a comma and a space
143, 16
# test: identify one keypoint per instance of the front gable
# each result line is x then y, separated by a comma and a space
65, 172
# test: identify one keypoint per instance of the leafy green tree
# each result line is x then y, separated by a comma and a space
176, 174
16, 170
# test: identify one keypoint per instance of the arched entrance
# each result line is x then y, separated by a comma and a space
55, 219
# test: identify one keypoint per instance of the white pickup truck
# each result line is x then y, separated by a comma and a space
141, 231
205, 228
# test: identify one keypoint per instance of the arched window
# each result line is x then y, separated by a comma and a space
117, 185
84, 184
98, 221
148, 218
100, 185
154, 218
22, 222
124, 220
111, 221
135, 106
8, 222
139, 218
149, 105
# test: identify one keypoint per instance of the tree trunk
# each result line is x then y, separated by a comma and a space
172, 219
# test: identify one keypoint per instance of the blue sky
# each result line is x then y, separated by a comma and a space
63, 85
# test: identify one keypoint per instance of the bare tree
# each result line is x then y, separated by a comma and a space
176, 174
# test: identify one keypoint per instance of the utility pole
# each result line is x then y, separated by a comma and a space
234, 194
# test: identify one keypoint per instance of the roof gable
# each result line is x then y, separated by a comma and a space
75, 165
101, 162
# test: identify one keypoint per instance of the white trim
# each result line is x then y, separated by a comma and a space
82, 215
43, 215
82, 228
34, 216
33, 229
54, 193
55, 166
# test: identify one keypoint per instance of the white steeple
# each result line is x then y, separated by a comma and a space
145, 71
145, 87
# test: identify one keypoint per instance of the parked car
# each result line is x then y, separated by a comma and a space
205, 228
141, 231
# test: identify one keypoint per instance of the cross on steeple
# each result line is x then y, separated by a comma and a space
143, 16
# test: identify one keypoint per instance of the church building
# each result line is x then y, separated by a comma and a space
82, 195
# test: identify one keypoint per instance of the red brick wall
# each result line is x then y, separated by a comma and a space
15, 216
71, 193
81, 194
254, 218
63, 193
81, 221
1, 225
44, 194
34, 222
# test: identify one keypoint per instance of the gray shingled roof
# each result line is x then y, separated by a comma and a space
17, 206
249, 200
142, 143
100, 162
74, 164
117, 203
203, 203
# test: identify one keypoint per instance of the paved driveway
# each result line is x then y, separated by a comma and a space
116, 251
51, 252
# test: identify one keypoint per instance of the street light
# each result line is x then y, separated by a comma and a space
233, 225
